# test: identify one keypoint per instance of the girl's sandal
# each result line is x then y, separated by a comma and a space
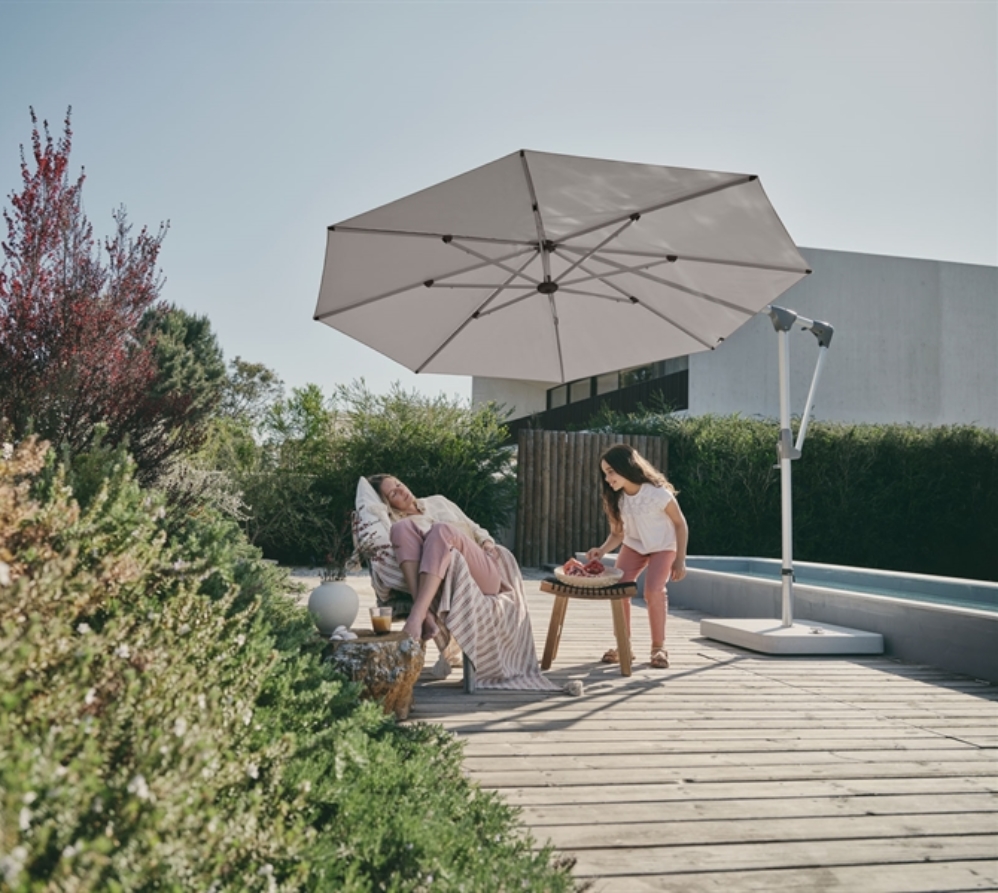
659, 659
612, 657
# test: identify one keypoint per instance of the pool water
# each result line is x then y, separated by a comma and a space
953, 591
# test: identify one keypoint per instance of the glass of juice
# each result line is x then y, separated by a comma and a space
381, 620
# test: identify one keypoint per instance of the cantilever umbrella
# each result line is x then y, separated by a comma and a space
555, 267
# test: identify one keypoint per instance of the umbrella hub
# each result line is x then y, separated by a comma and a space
547, 287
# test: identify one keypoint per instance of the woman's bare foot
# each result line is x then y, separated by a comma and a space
413, 628
423, 630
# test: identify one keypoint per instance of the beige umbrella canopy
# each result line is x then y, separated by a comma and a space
555, 267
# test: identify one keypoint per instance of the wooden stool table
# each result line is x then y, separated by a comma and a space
386, 665
613, 594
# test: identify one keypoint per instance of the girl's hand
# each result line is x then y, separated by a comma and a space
596, 552
489, 548
678, 570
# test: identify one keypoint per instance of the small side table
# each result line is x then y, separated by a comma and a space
387, 666
612, 594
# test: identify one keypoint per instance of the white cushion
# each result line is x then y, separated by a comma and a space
372, 538
373, 524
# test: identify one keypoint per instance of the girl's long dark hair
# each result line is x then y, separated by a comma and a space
632, 466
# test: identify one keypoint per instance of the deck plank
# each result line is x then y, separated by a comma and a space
623, 812
924, 877
733, 857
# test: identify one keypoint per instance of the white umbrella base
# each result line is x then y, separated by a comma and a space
801, 637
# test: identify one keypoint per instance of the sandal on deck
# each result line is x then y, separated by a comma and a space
659, 659
612, 657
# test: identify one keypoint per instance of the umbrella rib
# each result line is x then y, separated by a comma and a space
508, 304
657, 313
557, 335
545, 246
620, 271
491, 261
530, 288
672, 322
592, 251
339, 228
593, 294
688, 258
778, 268
669, 284
738, 181
542, 240
411, 285
476, 314
697, 294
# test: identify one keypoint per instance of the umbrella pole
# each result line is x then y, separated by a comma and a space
783, 321
785, 452
812, 636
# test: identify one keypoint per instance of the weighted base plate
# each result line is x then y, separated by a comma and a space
802, 637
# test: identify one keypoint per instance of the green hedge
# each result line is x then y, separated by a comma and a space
895, 497
167, 722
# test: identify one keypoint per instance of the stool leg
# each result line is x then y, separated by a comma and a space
623, 639
554, 631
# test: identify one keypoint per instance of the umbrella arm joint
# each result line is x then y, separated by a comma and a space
785, 448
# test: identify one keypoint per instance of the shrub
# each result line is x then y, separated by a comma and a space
298, 478
127, 736
434, 444
168, 723
85, 343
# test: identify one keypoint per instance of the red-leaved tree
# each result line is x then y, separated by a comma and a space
74, 351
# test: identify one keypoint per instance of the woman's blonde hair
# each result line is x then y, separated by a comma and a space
632, 466
376, 480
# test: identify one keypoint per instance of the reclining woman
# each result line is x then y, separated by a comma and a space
423, 532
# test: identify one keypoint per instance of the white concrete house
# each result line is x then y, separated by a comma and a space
915, 341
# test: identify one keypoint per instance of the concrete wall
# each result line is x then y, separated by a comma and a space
915, 341
521, 397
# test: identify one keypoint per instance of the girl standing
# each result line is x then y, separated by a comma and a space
650, 529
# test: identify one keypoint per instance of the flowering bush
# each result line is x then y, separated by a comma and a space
85, 340
167, 722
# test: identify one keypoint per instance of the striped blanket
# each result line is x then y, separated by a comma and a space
493, 630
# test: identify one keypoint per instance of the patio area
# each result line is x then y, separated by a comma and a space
733, 771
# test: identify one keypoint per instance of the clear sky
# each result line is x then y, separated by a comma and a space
252, 126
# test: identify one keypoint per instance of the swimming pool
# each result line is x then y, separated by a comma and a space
894, 584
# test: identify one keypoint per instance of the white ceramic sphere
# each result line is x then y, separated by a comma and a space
332, 604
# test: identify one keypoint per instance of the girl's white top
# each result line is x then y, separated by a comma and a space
647, 528
440, 508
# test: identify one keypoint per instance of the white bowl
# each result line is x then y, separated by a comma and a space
611, 576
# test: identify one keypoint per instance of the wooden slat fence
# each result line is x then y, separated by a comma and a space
559, 511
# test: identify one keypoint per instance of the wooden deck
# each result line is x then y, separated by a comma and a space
739, 772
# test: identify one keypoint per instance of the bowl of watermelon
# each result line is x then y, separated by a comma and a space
592, 575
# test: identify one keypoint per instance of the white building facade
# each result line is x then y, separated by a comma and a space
916, 341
